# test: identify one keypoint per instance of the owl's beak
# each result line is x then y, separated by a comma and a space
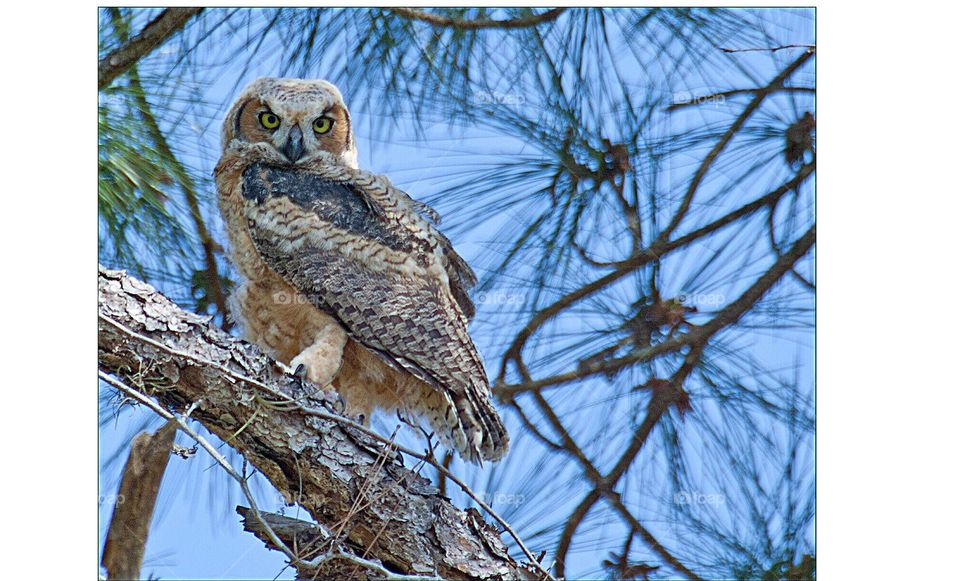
293, 148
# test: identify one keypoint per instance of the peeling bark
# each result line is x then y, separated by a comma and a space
344, 478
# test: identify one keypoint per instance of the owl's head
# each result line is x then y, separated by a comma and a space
296, 117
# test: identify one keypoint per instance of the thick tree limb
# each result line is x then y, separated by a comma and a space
153, 34
346, 479
446, 21
136, 499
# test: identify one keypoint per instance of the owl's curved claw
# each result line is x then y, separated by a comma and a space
300, 371
342, 404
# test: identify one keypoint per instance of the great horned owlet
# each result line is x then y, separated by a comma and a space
346, 277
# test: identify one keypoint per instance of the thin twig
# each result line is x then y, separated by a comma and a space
809, 47
728, 135
185, 427
604, 486
701, 99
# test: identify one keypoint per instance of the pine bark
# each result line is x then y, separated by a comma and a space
346, 480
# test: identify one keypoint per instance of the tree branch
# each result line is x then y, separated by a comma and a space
446, 21
136, 499
153, 34
654, 252
809, 47
303, 535
336, 469
734, 128
697, 336
699, 99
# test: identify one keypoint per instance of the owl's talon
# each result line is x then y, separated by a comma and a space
342, 403
300, 371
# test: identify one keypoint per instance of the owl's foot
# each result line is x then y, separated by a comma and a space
321, 361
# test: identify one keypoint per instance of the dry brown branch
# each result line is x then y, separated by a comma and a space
153, 34
135, 501
446, 21
298, 533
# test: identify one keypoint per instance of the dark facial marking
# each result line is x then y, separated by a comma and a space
236, 121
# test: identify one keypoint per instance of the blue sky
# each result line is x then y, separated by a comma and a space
196, 532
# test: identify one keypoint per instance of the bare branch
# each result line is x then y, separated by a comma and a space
734, 128
153, 34
698, 336
654, 252
637, 528
446, 21
700, 99
809, 47
136, 499
295, 532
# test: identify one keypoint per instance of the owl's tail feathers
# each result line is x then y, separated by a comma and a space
480, 434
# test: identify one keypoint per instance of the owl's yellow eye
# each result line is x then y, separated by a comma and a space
322, 125
269, 120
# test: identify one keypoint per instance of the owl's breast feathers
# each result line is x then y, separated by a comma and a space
362, 251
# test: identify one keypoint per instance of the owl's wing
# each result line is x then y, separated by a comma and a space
383, 276
462, 277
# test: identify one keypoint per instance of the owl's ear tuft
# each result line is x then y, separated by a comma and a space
350, 152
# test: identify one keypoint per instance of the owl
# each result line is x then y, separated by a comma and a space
346, 278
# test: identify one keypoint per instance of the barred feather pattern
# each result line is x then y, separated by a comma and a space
366, 254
